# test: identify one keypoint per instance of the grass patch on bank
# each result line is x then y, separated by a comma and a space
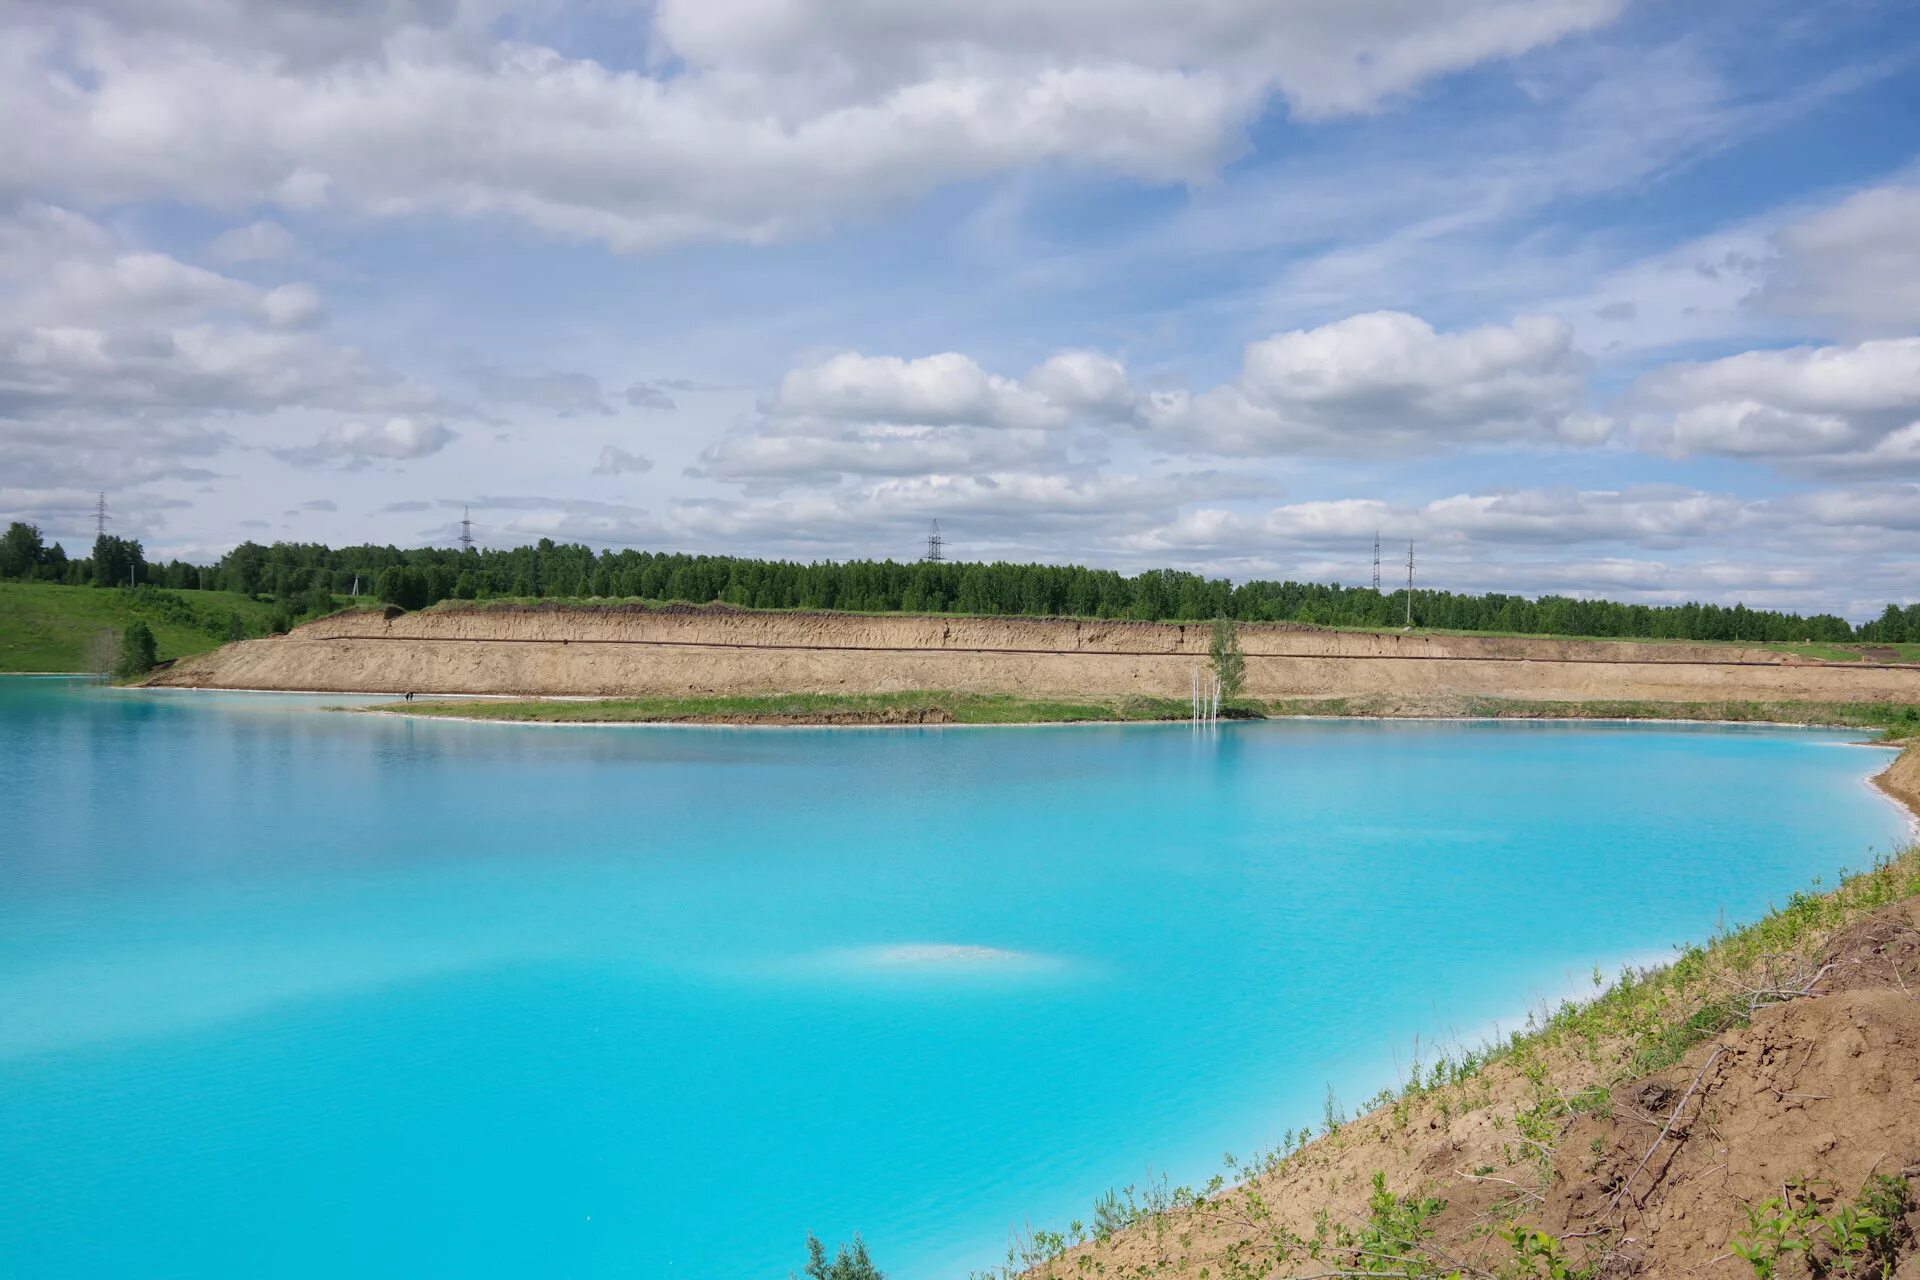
806, 708
48, 626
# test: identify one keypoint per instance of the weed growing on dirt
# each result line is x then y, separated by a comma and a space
1863, 1238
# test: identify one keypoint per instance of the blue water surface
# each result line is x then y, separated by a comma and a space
294, 992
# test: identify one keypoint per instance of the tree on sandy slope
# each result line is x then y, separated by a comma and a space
1229, 663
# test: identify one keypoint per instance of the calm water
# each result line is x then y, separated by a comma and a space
293, 993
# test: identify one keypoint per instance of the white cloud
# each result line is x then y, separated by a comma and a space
1888, 506
1818, 410
262, 241
91, 326
1327, 57
757, 119
933, 391
291, 306
1385, 381
1085, 382
615, 461
356, 444
1857, 263
1388, 381
781, 455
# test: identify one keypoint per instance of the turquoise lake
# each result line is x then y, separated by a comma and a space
293, 992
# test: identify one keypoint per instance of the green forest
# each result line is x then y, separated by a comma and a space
303, 579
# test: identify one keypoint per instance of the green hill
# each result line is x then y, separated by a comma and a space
45, 626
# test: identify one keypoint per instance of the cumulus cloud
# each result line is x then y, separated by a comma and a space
933, 391
867, 415
1090, 383
749, 121
781, 454
615, 461
356, 444
1892, 506
1831, 410
291, 306
1389, 381
1857, 263
90, 326
1385, 381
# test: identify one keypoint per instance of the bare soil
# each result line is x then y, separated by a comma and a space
1638, 1173
1823, 1088
613, 651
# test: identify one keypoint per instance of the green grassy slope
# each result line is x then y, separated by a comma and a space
47, 627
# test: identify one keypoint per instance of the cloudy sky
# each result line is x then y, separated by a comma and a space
1613, 297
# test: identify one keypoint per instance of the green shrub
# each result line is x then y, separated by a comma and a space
138, 652
852, 1262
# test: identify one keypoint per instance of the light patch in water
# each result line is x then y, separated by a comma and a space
931, 960
941, 953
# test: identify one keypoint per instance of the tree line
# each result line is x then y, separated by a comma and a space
304, 577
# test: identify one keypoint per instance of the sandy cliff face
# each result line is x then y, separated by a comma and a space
715, 650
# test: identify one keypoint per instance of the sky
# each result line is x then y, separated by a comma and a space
1601, 297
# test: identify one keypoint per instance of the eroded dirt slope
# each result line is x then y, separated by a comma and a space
616, 651
1812, 1102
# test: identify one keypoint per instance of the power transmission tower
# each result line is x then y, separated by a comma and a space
1376, 562
100, 516
466, 528
936, 545
1409, 583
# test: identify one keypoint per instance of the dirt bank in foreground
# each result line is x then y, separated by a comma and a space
714, 650
1901, 779
1761, 1097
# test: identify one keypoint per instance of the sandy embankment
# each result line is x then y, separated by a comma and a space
1901, 780
681, 651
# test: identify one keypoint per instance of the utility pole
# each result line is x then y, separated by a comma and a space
936, 545
100, 516
1409, 584
1376, 562
466, 528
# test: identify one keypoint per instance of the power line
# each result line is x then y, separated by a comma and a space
1376, 562
936, 545
100, 516
466, 528
1409, 583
